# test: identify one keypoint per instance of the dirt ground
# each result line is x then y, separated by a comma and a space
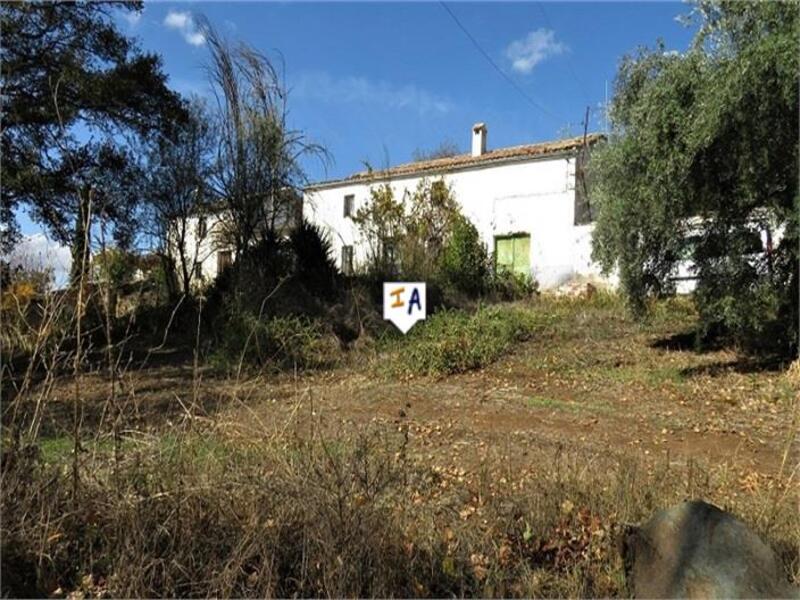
597, 393
591, 380
522, 472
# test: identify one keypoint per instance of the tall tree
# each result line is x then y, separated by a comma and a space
96, 183
73, 88
260, 170
701, 168
178, 193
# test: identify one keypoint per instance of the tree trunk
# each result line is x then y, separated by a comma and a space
170, 277
186, 274
80, 254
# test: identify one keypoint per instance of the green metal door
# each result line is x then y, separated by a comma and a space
513, 253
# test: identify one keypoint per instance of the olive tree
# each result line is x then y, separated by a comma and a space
177, 193
701, 169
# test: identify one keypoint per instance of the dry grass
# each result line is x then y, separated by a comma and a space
482, 488
201, 512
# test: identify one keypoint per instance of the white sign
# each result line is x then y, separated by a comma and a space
404, 303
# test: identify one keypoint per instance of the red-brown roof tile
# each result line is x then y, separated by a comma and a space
462, 161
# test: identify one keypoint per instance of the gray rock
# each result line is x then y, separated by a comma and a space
696, 550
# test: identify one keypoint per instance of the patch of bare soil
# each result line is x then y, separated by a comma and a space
593, 382
609, 392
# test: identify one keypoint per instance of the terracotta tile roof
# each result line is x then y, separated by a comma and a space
464, 161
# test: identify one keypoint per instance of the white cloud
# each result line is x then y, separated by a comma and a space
184, 23
528, 52
37, 252
177, 20
360, 90
196, 38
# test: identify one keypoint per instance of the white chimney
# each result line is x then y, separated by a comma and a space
479, 139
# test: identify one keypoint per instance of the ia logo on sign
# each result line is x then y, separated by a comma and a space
404, 303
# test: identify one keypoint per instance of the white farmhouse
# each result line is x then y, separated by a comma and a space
207, 241
206, 248
526, 201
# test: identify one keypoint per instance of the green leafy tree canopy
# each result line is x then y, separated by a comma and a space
74, 87
701, 171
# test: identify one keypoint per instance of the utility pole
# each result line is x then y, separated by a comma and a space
585, 127
581, 166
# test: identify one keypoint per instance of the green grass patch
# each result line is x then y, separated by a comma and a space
59, 449
56, 449
542, 402
455, 341
648, 375
204, 451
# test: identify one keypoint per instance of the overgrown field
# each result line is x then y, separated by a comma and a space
495, 453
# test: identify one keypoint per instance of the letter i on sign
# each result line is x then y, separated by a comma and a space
404, 303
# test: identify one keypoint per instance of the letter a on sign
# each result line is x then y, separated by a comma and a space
404, 303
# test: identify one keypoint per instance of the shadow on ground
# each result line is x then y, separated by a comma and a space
741, 366
688, 341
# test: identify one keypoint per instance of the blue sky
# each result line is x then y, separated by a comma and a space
375, 81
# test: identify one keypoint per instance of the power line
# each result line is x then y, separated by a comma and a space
503, 74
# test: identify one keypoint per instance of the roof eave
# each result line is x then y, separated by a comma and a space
382, 176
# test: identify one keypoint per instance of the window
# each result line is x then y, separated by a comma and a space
202, 227
349, 201
513, 253
713, 245
198, 270
347, 260
224, 260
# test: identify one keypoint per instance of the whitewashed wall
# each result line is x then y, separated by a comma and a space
203, 249
536, 197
